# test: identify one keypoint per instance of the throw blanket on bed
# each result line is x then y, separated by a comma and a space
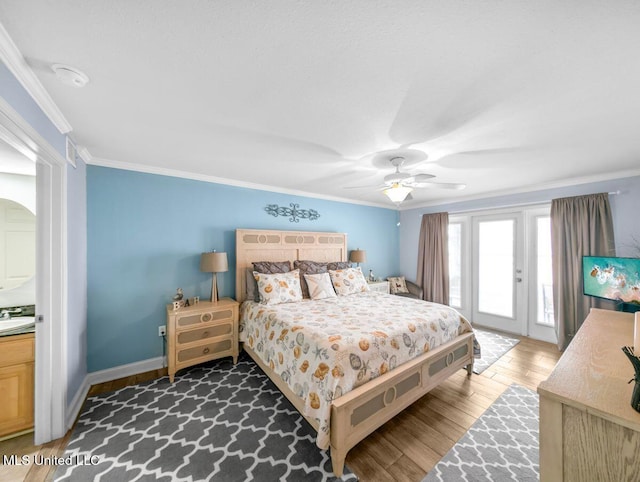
325, 348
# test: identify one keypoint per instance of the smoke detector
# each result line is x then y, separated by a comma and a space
70, 75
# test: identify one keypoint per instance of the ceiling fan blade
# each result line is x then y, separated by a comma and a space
368, 186
422, 177
441, 185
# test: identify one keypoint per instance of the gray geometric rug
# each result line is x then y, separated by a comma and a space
501, 446
493, 346
216, 422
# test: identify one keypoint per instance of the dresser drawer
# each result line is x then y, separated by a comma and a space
190, 321
203, 351
219, 329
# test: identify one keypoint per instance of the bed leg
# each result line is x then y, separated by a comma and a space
337, 461
469, 369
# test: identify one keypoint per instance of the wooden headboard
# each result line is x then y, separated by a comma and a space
260, 245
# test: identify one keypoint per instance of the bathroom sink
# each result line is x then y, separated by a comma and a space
16, 324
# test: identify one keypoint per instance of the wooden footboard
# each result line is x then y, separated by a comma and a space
361, 411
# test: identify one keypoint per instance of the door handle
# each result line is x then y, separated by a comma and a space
519, 280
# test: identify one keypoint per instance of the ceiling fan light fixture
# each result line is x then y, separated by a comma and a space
397, 193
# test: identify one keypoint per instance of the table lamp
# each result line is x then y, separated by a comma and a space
214, 263
358, 256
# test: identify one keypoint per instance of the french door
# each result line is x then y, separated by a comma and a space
500, 270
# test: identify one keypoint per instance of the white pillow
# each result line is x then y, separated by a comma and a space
348, 281
278, 287
320, 286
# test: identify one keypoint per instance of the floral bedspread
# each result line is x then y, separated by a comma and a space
324, 348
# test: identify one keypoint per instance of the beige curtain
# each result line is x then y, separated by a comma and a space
433, 257
580, 226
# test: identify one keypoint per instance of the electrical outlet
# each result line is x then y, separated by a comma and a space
162, 330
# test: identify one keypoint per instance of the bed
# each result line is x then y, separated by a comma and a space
412, 345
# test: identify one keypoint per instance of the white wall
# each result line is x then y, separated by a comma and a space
77, 277
624, 208
19, 188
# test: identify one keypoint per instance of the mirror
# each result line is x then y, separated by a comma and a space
17, 254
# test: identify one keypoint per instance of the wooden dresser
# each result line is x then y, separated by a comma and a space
200, 333
588, 430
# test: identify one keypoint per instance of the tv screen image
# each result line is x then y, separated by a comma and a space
612, 278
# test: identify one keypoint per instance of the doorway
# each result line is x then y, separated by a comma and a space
50, 352
500, 270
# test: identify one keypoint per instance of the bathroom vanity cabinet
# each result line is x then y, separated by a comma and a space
17, 355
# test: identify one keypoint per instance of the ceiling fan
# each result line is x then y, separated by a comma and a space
398, 186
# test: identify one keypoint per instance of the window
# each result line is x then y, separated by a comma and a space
455, 265
544, 281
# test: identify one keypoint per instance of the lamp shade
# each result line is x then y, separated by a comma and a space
397, 193
214, 262
358, 256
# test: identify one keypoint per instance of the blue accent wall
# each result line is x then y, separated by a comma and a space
145, 234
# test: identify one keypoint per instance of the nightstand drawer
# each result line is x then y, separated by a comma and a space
201, 332
204, 350
204, 333
188, 321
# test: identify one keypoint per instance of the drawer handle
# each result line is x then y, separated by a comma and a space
205, 334
206, 317
205, 351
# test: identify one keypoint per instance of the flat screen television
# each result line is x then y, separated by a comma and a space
615, 279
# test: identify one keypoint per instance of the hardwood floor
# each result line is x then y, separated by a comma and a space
409, 445
404, 449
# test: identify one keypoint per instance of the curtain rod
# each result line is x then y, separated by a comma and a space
518, 205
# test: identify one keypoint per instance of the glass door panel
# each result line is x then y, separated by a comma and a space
455, 265
497, 261
541, 321
496, 267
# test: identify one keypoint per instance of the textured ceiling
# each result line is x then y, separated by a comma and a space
502, 96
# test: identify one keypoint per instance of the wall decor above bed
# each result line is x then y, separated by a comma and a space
293, 212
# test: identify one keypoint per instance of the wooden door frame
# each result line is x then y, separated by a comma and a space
51, 272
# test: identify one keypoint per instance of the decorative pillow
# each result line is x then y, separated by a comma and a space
397, 284
251, 292
320, 286
272, 266
308, 267
278, 287
338, 265
348, 281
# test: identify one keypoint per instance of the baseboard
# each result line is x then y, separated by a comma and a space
73, 409
102, 376
122, 371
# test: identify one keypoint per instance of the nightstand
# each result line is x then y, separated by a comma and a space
380, 286
200, 333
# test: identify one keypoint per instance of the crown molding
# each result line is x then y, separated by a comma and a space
16, 63
162, 171
610, 176
84, 154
